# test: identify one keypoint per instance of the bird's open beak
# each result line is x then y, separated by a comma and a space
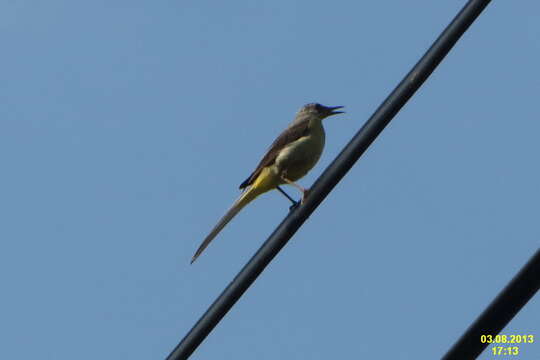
332, 110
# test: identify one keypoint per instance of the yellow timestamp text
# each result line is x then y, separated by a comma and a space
505, 350
506, 344
507, 339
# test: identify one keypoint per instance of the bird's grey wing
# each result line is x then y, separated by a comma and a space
288, 136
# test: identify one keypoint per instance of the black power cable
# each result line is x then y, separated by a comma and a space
499, 313
330, 177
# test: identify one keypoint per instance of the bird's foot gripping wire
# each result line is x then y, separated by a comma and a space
305, 194
295, 204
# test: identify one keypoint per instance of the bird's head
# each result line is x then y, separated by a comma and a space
318, 110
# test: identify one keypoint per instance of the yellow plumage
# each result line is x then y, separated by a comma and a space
291, 156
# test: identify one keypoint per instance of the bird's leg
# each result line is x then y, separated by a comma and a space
305, 192
294, 203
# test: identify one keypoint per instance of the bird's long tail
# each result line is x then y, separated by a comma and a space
247, 196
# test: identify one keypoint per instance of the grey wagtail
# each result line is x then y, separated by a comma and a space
295, 151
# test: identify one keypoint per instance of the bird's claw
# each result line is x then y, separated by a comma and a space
294, 206
304, 195
303, 200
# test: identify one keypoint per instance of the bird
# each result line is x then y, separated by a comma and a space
291, 156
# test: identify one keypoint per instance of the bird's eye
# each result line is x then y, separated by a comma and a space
318, 107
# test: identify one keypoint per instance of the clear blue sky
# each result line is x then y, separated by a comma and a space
126, 128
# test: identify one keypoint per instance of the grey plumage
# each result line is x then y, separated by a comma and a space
294, 152
298, 128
